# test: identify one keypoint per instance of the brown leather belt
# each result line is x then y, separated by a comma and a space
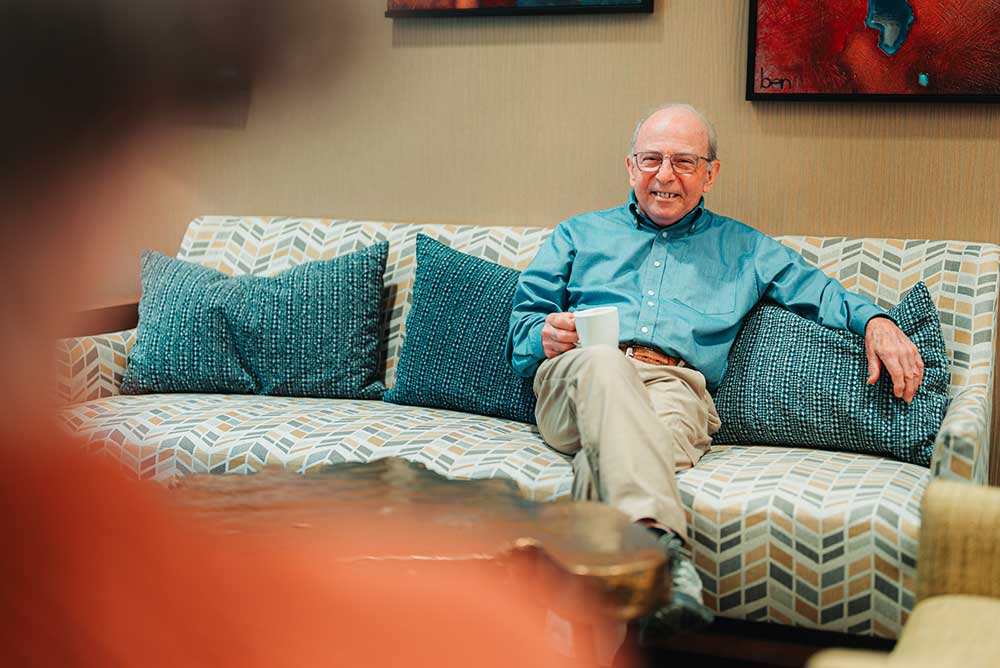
650, 355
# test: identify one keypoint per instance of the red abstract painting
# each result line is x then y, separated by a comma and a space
913, 49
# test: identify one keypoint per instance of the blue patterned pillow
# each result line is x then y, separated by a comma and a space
454, 355
312, 330
793, 382
183, 342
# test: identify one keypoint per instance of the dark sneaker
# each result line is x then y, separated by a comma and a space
686, 610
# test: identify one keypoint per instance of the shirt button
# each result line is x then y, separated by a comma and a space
645, 330
663, 234
650, 304
657, 263
650, 293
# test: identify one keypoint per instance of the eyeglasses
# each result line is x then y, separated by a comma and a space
682, 163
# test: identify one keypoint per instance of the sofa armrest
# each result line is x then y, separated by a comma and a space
962, 448
959, 549
91, 367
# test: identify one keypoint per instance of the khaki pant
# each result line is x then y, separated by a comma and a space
631, 426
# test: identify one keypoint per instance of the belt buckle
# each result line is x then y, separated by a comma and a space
630, 352
677, 361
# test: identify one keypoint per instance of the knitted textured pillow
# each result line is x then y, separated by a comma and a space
183, 340
312, 330
454, 355
793, 382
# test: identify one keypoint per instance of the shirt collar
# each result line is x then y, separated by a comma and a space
684, 226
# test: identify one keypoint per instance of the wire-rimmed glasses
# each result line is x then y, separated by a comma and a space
682, 163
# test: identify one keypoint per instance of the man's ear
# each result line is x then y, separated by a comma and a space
631, 172
713, 173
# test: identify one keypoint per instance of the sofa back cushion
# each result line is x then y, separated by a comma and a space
961, 276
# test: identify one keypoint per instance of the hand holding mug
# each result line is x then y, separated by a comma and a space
589, 327
559, 334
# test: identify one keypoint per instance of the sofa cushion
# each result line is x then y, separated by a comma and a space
159, 436
312, 330
793, 382
454, 353
814, 538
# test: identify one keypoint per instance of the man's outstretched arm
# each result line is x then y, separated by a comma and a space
785, 277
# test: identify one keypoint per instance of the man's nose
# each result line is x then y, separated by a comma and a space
666, 171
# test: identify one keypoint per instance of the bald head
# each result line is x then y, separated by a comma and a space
681, 111
666, 190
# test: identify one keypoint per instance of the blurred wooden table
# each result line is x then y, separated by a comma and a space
586, 556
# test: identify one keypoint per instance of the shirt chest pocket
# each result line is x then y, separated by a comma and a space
704, 292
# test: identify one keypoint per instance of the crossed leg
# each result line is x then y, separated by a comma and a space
631, 425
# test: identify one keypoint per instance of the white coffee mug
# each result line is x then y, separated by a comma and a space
597, 326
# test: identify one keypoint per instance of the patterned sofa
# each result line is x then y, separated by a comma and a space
819, 539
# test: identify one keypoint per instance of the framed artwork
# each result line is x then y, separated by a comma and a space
408, 8
874, 50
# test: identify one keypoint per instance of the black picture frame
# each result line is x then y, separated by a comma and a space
753, 95
643, 7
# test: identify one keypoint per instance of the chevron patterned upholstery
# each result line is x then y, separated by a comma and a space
818, 539
91, 367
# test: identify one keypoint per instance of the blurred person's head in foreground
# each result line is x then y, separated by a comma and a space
102, 570
89, 86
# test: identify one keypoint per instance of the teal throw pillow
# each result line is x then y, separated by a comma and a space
184, 342
454, 355
313, 330
793, 382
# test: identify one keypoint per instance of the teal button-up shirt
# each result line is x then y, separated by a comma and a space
684, 288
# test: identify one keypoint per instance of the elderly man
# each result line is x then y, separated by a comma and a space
683, 278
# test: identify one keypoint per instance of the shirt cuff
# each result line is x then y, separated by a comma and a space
535, 339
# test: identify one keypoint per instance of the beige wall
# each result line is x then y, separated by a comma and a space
524, 122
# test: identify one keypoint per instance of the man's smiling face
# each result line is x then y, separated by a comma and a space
664, 196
